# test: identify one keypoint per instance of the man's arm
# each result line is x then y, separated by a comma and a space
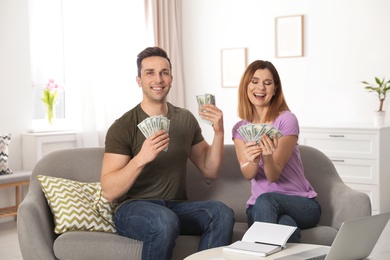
208, 158
119, 172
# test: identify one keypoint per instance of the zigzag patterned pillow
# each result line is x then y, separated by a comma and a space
72, 204
4, 142
103, 207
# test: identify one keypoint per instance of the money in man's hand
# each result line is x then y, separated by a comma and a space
152, 124
205, 99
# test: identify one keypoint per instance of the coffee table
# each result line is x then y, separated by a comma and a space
218, 253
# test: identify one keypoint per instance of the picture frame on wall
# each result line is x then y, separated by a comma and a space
289, 36
233, 64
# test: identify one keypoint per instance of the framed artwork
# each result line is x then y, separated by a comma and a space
289, 36
233, 65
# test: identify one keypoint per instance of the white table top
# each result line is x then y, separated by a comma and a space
381, 251
219, 254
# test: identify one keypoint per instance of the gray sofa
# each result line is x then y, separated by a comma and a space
35, 221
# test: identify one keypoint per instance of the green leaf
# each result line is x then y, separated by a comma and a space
378, 81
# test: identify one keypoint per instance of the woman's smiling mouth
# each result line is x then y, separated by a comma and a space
258, 95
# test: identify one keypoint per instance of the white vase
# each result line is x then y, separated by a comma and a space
379, 118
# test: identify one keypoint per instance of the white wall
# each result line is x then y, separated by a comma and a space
345, 42
15, 82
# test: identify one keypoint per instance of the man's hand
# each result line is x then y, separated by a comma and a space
153, 145
211, 113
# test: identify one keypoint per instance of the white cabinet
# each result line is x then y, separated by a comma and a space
361, 156
37, 145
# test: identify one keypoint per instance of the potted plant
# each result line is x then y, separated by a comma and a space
381, 87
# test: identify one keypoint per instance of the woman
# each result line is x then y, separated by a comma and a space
280, 192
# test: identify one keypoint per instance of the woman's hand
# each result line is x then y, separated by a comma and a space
252, 152
268, 145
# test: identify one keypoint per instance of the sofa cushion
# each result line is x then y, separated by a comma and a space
323, 235
4, 142
77, 205
96, 245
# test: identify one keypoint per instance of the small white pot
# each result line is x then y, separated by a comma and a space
379, 118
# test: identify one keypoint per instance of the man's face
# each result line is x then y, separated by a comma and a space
155, 79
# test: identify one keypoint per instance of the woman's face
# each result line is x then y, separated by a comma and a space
261, 88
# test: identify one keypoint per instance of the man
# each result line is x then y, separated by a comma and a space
146, 176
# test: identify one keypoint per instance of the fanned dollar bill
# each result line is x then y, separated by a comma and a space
205, 99
254, 132
152, 124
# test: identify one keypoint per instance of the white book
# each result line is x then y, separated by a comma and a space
262, 239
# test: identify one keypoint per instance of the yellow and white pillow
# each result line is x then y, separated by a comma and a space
77, 205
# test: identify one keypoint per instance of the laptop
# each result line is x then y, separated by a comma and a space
355, 240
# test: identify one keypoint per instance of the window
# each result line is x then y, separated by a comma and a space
46, 53
89, 47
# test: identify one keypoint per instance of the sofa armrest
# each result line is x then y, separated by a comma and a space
338, 201
35, 227
347, 204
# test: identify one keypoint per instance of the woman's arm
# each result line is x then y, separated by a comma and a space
276, 154
248, 155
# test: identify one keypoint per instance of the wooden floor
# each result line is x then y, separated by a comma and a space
9, 245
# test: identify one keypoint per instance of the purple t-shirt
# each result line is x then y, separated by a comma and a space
292, 180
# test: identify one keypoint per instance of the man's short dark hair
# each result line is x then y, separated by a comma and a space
150, 52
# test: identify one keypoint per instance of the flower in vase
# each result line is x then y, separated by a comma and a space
50, 99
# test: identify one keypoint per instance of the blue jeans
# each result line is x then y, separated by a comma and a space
157, 223
297, 211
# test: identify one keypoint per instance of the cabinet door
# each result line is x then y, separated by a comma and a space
357, 170
343, 145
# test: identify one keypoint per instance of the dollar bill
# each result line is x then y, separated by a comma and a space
152, 124
209, 99
205, 99
254, 132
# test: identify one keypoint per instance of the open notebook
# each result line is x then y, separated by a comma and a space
355, 240
262, 239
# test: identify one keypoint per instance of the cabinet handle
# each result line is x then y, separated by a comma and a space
338, 136
338, 160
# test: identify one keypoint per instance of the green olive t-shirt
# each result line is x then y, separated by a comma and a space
165, 177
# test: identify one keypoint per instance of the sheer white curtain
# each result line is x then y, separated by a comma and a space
163, 19
90, 47
101, 41
102, 57
95, 43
